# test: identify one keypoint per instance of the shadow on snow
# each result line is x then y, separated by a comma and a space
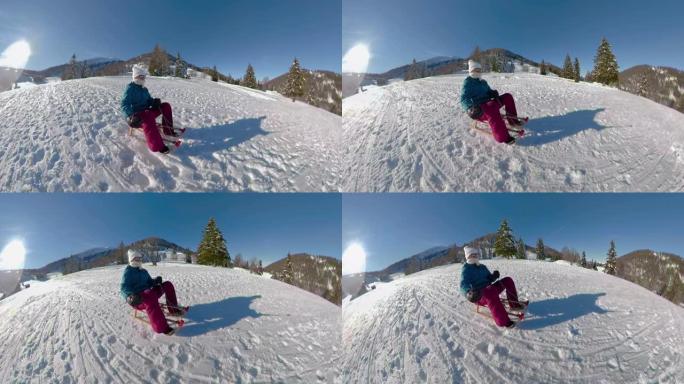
204, 318
555, 311
554, 128
208, 140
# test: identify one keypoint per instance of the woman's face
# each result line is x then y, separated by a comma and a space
140, 80
476, 73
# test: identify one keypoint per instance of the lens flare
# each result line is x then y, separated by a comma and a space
13, 255
16, 55
354, 259
356, 59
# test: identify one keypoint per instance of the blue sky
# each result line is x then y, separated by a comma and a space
229, 34
394, 226
267, 226
396, 31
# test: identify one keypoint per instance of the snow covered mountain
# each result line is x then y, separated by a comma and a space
322, 87
319, 275
583, 326
661, 84
241, 328
659, 272
70, 136
413, 136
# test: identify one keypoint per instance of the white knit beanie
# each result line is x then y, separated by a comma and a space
471, 253
473, 65
139, 70
132, 254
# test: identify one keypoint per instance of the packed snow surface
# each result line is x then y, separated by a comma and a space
70, 136
583, 326
241, 328
414, 136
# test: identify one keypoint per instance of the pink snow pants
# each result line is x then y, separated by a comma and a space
150, 305
490, 298
492, 116
149, 125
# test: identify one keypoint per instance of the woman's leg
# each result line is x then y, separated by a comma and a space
493, 117
149, 126
509, 104
154, 312
170, 294
490, 298
511, 293
167, 118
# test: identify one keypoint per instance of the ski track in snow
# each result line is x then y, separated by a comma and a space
413, 136
582, 327
241, 329
71, 136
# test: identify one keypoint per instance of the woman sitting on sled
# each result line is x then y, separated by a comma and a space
141, 111
483, 104
142, 292
481, 287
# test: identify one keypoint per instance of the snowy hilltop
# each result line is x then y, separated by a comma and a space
414, 136
241, 328
583, 326
70, 136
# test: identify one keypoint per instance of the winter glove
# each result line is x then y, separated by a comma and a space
473, 295
493, 94
475, 112
134, 121
134, 300
494, 276
156, 104
157, 280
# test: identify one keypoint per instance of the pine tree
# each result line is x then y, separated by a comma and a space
212, 249
71, 70
504, 245
606, 70
249, 80
179, 72
476, 55
295, 81
288, 273
123, 257
583, 262
577, 76
521, 254
159, 62
495, 65
568, 69
542, 68
539, 250
214, 74
413, 72
611, 261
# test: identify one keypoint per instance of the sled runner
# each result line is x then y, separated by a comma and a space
517, 314
176, 318
518, 131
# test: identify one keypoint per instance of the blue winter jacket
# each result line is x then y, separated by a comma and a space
136, 98
474, 92
135, 280
475, 276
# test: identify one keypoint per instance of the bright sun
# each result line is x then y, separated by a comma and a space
353, 259
16, 55
13, 255
356, 59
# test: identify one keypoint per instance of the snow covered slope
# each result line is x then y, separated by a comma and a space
70, 136
583, 327
413, 136
241, 329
